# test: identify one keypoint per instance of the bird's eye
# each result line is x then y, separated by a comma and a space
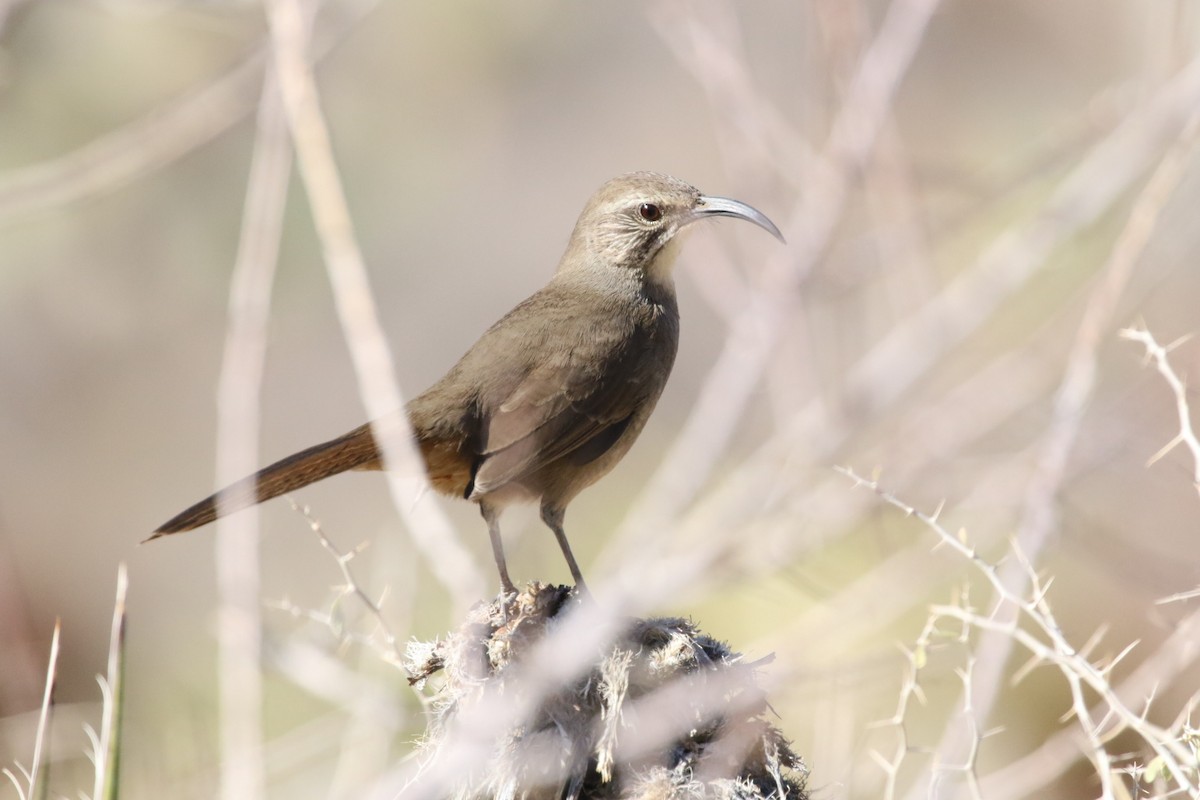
650, 212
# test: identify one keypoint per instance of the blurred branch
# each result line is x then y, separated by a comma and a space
322, 675
1048, 154
239, 634
7, 8
159, 137
390, 652
1052, 647
450, 561
914, 345
754, 335
660, 710
751, 130
1040, 519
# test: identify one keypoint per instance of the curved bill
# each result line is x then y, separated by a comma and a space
728, 207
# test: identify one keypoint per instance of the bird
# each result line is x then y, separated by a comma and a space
551, 396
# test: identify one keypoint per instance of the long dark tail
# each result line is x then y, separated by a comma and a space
354, 450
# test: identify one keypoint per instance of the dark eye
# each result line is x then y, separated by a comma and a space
650, 212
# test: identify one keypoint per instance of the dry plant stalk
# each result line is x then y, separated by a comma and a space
665, 711
1166, 762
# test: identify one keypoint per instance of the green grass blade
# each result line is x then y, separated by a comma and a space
108, 765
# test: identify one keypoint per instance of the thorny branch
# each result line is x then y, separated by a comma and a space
1052, 647
1159, 355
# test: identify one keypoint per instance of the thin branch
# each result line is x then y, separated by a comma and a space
755, 333
391, 653
159, 137
1039, 519
238, 402
450, 561
1187, 434
1055, 649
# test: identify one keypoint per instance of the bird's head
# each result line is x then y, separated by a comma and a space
632, 221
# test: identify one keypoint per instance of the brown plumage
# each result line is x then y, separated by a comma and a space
555, 393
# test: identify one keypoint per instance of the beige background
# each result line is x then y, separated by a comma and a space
468, 136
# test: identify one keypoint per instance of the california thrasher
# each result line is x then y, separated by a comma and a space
555, 393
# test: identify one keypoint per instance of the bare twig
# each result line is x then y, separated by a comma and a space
1187, 435
238, 393
391, 653
910, 690
1040, 519
1052, 647
159, 137
756, 332
431, 530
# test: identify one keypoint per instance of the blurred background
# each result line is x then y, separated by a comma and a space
977, 197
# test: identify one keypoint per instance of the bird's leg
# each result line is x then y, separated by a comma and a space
553, 517
492, 518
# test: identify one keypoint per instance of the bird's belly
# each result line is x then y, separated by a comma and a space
561, 480
511, 493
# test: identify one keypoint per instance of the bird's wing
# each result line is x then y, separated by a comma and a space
560, 406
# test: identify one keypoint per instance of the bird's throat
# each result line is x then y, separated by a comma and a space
662, 266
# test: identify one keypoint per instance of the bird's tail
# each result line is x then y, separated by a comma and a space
354, 450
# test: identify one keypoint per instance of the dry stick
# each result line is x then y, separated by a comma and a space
1097, 753
431, 530
912, 348
874, 600
1179, 597
754, 335
1048, 155
326, 676
365, 750
1056, 649
780, 492
757, 488
239, 631
157, 138
897, 362
910, 690
709, 525
751, 130
391, 653
897, 231
1040, 518
1187, 435
970, 410
1025, 776
1044, 765
755, 140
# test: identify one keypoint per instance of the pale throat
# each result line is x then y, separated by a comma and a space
662, 265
